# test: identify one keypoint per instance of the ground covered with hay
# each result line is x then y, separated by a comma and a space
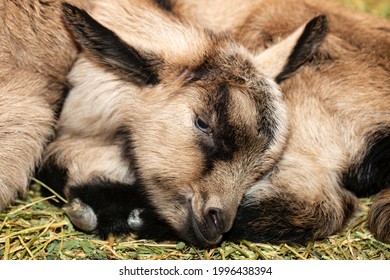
36, 229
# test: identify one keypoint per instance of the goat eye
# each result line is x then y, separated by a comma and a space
202, 126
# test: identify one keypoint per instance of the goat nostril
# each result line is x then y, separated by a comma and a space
215, 216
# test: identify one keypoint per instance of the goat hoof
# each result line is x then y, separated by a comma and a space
81, 215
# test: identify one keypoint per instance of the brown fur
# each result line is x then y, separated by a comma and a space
261, 23
189, 174
336, 105
293, 190
378, 217
36, 53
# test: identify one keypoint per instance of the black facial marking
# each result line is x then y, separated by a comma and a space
267, 126
312, 37
113, 203
109, 48
226, 135
371, 174
221, 144
266, 123
207, 70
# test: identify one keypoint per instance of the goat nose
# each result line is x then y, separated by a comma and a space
215, 220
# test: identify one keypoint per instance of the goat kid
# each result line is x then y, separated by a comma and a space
165, 114
339, 112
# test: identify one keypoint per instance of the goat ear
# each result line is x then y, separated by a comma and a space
286, 57
109, 49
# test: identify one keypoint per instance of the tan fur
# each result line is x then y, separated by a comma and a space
292, 190
131, 15
161, 117
378, 217
262, 23
333, 107
36, 53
